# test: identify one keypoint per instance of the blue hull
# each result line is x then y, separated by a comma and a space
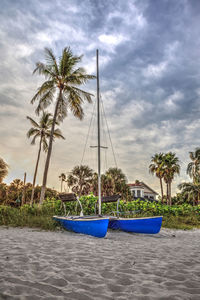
95, 227
140, 225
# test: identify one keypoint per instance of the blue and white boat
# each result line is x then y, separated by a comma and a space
86, 225
149, 225
91, 225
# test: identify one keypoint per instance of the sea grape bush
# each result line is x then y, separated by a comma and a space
52, 206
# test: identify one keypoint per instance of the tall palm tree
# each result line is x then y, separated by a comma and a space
157, 167
193, 168
62, 79
62, 178
172, 167
42, 131
80, 180
3, 169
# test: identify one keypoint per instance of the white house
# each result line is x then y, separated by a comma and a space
141, 190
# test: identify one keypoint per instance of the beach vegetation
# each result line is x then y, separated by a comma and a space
157, 167
11, 194
165, 166
3, 169
42, 131
62, 178
80, 179
183, 216
193, 168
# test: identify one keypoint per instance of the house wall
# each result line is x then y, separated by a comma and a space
144, 192
138, 192
150, 195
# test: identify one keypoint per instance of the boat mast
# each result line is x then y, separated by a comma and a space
98, 134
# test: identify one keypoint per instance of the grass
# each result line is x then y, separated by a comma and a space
181, 222
13, 217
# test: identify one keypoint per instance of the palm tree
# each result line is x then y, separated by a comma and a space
117, 178
171, 168
42, 131
62, 79
3, 169
193, 168
191, 190
80, 180
106, 185
62, 178
157, 167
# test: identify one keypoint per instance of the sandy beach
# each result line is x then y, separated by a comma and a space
63, 265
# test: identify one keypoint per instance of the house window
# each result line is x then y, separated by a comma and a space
138, 193
133, 193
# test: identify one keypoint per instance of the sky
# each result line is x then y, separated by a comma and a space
149, 57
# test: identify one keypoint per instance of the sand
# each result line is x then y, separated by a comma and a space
64, 265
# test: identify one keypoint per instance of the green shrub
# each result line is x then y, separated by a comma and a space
41, 217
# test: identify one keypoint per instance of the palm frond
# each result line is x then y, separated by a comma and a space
34, 123
78, 77
46, 120
45, 70
34, 138
32, 131
86, 96
74, 102
51, 61
44, 144
43, 89
62, 109
58, 134
45, 101
68, 61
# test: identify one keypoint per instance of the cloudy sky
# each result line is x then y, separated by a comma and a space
149, 80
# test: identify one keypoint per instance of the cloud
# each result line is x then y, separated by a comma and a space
149, 79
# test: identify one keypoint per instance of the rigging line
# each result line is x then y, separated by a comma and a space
88, 133
109, 133
104, 137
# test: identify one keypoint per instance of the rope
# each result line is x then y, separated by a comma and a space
109, 133
88, 133
104, 138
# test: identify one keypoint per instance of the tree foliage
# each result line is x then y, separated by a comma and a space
62, 76
3, 169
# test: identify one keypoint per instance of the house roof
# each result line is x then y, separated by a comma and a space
149, 188
142, 185
135, 184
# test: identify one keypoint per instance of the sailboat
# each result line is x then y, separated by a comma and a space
97, 225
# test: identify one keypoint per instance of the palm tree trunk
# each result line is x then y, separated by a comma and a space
161, 187
170, 197
24, 190
167, 193
42, 195
61, 185
193, 200
35, 173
